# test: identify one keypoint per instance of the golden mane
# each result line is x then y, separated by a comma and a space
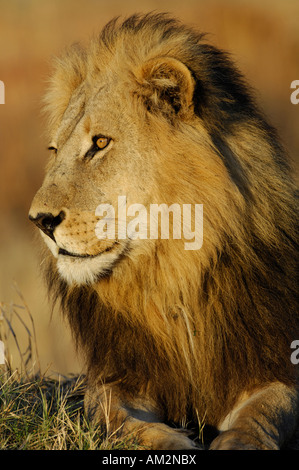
192, 328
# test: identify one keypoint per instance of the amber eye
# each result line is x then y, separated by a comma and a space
102, 142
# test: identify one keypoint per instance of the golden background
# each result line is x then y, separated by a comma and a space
263, 39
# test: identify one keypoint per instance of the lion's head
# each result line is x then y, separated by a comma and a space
129, 119
150, 111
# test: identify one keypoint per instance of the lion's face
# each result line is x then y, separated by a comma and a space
129, 131
96, 157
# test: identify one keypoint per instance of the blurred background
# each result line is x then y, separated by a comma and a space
262, 37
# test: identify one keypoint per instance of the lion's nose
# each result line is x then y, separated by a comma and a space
47, 222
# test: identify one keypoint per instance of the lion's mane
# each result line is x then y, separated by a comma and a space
193, 328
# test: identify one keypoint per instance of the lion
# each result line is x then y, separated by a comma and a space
172, 337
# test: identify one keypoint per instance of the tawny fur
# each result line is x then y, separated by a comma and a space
192, 330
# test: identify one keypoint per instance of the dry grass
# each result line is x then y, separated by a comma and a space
41, 413
38, 412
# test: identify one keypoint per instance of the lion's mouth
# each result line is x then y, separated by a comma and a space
64, 252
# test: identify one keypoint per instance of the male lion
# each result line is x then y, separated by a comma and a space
150, 111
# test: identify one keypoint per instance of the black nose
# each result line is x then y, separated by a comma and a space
47, 222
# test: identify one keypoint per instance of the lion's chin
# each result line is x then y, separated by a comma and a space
86, 270
83, 269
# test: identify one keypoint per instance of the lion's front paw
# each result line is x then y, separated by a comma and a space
162, 437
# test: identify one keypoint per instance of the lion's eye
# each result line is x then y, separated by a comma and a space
54, 149
102, 142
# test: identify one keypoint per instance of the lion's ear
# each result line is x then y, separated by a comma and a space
166, 85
